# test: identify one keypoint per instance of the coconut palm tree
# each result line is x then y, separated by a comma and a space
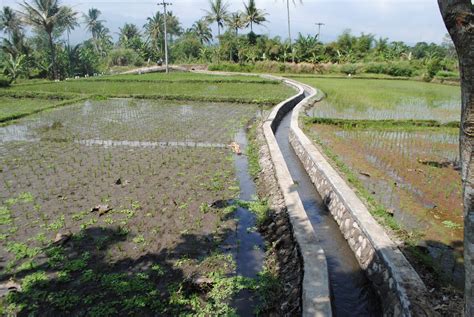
203, 31
10, 22
103, 39
173, 25
92, 21
128, 32
154, 30
289, 20
236, 21
253, 15
69, 22
11, 25
48, 16
218, 13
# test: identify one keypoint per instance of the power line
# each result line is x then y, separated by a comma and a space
165, 4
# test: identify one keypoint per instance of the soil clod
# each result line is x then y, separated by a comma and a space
102, 209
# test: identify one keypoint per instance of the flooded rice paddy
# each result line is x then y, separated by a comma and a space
415, 176
406, 168
112, 207
443, 111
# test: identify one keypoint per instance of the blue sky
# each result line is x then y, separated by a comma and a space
407, 20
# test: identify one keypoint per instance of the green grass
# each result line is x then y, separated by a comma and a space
34, 96
15, 108
380, 93
404, 125
249, 92
186, 77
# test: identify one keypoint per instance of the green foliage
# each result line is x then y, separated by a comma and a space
448, 75
4, 82
5, 216
21, 250
259, 208
15, 66
396, 69
124, 57
349, 69
253, 154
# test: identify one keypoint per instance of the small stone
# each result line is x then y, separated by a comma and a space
61, 238
102, 209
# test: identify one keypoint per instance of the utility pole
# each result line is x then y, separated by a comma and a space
319, 24
289, 29
165, 4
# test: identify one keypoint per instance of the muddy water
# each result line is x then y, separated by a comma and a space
247, 244
351, 292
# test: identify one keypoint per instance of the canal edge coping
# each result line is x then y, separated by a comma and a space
402, 291
316, 294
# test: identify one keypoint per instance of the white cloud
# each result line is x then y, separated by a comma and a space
408, 20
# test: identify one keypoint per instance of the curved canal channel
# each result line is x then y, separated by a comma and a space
351, 292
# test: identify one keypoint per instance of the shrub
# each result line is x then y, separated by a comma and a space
269, 66
349, 69
231, 67
4, 82
399, 69
124, 57
447, 74
375, 68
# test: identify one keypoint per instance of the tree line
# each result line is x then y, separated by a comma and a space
46, 52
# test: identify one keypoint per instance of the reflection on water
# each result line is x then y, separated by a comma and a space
129, 122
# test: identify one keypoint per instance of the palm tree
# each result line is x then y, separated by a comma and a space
48, 16
253, 15
154, 30
69, 22
92, 21
203, 31
236, 21
128, 32
289, 22
11, 25
173, 25
10, 22
218, 13
103, 39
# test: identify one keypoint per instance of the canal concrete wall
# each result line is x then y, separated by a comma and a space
315, 289
401, 290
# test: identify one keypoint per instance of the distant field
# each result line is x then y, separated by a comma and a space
32, 96
251, 92
13, 107
186, 77
386, 99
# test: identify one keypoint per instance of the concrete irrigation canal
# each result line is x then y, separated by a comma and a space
351, 292
351, 267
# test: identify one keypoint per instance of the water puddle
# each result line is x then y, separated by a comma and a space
351, 292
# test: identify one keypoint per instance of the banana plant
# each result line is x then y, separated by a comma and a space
14, 67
